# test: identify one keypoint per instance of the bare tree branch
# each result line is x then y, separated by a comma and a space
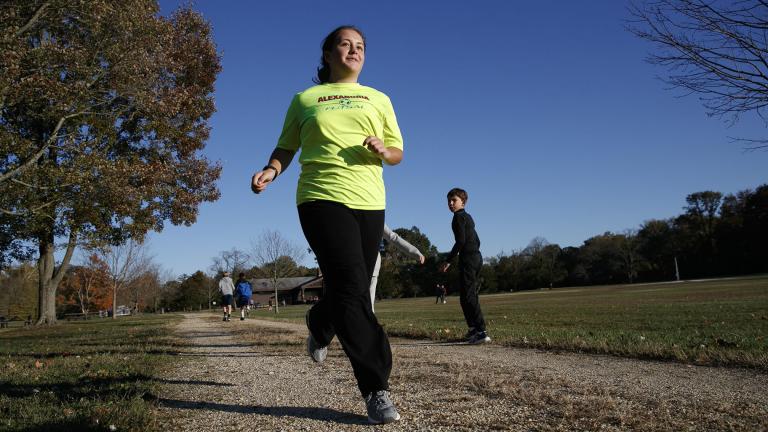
714, 48
32, 160
28, 212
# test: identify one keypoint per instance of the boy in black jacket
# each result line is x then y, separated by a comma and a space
467, 247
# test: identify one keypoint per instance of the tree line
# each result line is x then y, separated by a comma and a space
716, 235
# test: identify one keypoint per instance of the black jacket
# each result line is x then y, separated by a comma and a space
467, 241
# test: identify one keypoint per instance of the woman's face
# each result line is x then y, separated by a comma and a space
347, 56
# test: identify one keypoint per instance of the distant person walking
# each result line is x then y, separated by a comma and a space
346, 133
243, 292
227, 288
467, 247
440, 293
400, 243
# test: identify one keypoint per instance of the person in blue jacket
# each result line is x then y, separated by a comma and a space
243, 292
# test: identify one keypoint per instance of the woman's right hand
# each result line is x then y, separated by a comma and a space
262, 179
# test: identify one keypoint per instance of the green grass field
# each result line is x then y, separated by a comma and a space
718, 322
85, 375
89, 375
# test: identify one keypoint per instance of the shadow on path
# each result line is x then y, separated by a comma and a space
430, 343
312, 413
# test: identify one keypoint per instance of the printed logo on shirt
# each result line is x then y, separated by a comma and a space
342, 104
334, 97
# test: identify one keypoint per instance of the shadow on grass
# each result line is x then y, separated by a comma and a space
111, 351
177, 345
79, 425
311, 413
95, 387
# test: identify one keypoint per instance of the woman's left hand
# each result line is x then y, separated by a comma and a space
392, 155
376, 145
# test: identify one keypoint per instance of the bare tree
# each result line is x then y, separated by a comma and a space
715, 48
270, 251
125, 263
212, 288
233, 261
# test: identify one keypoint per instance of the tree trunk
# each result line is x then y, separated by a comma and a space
46, 306
114, 301
49, 276
274, 281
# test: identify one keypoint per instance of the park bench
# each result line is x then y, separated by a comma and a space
4, 322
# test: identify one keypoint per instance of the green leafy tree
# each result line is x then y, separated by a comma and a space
657, 245
192, 291
552, 267
695, 230
509, 271
413, 278
104, 108
489, 281
400, 275
602, 258
756, 229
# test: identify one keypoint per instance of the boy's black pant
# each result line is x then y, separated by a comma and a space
345, 242
469, 276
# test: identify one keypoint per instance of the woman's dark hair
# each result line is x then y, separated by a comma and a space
324, 71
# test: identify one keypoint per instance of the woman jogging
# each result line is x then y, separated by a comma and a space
346, 132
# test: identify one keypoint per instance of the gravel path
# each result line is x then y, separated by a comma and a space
255, 375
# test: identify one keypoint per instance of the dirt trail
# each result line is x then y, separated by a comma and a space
255, 375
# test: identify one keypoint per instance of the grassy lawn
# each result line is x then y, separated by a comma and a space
85, 375
719, 322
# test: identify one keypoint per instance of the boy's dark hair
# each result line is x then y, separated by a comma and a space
241, 275
458, 192
324, 71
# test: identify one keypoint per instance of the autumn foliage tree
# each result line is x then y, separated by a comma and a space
104, 109
87, 286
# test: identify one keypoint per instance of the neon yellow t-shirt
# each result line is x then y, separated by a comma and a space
329, 123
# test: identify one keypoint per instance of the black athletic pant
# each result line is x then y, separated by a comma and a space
469, 276
345, 242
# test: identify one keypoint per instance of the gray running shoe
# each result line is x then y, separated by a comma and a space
479, 338
471, 332
317, 352
380, 408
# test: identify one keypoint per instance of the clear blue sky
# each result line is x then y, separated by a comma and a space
545, 112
